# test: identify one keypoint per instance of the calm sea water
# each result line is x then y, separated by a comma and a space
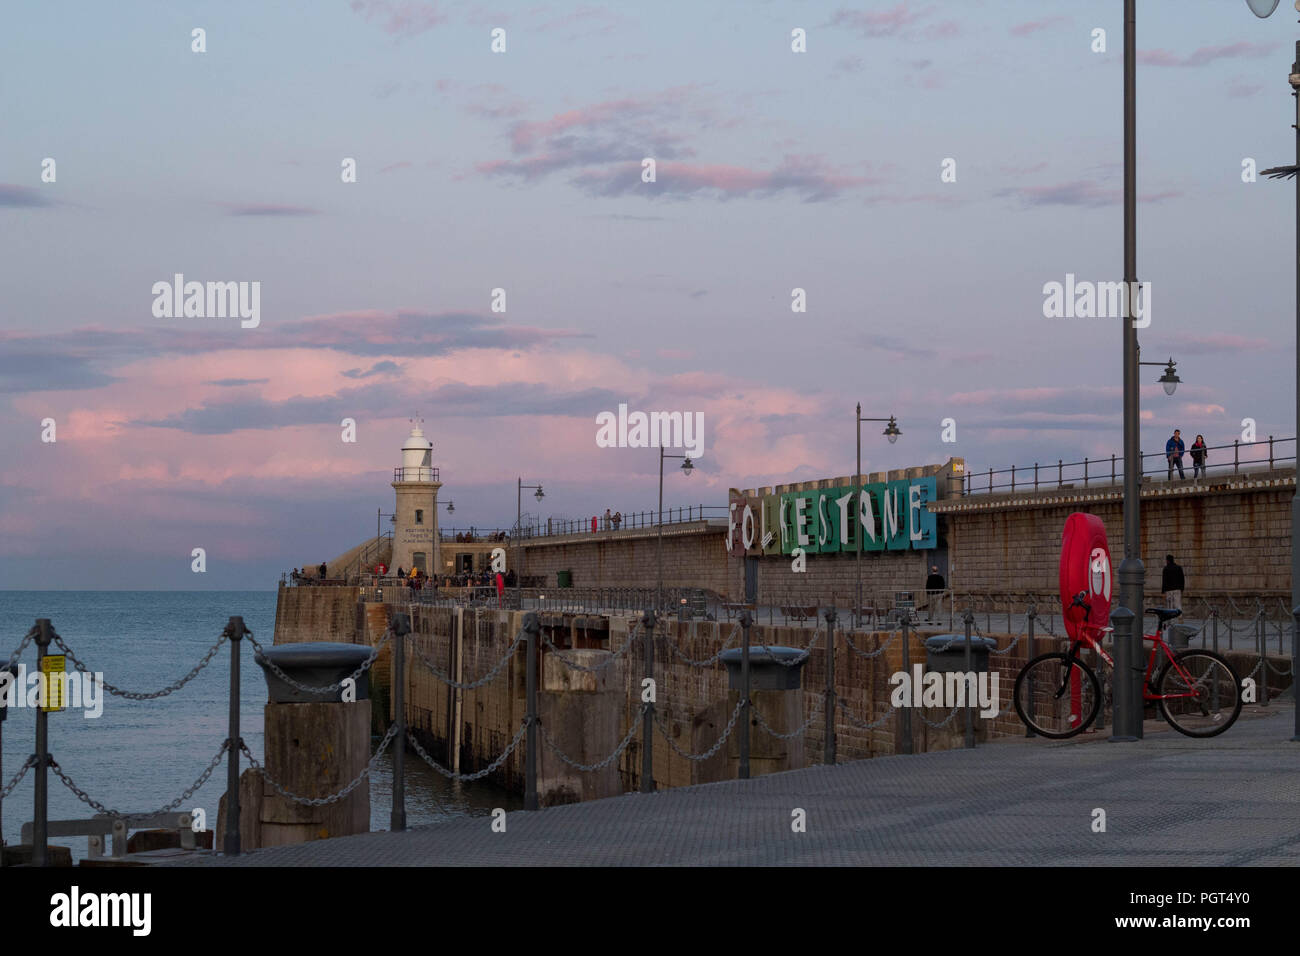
140, 755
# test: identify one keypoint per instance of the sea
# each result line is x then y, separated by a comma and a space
139, 756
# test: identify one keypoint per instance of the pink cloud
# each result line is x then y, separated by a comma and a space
402, 18
1033, 26
1206, 54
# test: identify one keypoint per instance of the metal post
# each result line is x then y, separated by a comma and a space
1261, 643
235, 631
40, 806
648, 708
745, 621
969, 677
1295, 655
1236, 455
1124, 621
857, 519
1035, 476
1295, 500
829, 707
1128, 634
659, 597
1085, 471
532, 627
1032, 613
1013, 478
401, 625
905, 713
1214, 630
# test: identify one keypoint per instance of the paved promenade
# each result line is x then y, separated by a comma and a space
1169, 800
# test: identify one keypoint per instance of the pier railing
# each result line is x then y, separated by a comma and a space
830, 629
1221, 462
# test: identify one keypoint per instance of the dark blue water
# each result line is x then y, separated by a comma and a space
140, 755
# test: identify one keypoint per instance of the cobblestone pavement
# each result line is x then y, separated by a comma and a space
1169, 800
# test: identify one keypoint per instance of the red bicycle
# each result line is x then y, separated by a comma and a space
1197, 691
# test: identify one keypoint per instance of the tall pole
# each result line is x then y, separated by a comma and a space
235, 630
401, 626
40, 794
1295, 500
857, 518
659, 603
1127, 724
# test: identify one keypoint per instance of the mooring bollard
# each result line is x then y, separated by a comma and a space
235, 631
648, 707
401, 626
40, 815
1030, 613
969, 677
532, 627
743, 740
904, 728
829, 707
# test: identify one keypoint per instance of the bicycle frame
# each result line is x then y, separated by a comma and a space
1158, 646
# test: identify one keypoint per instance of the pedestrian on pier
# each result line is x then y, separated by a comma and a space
1198, 457
1174, 453
618, 519
1171, 583
324, 571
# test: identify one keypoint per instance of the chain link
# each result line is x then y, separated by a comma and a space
718, 743
880, 648
941, 724
189, 792
615, 655
861, 724
31, 636
471, 685
490, 768
307, 689
735, 630
334, 797
794, 733
794, 661
133, 695
17, 778
586, 768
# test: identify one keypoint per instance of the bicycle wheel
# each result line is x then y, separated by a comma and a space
1056, 698
1205, 696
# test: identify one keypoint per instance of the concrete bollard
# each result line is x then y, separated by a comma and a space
316, 744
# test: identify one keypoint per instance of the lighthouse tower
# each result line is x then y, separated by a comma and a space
415, 530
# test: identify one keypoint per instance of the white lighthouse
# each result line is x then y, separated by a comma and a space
415, 531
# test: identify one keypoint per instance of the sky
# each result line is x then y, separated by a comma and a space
522, 170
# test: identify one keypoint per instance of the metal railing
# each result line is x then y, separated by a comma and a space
628, 520
417, 473
1219, 461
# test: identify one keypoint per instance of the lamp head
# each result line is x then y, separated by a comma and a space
892, 430
1170, 379
688, 466
538, 494
1263, 8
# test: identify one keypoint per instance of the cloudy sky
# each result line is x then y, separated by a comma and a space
522, 171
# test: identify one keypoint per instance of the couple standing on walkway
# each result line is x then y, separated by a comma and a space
1174, 449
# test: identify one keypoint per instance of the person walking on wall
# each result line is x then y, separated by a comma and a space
1171, 583
1198, 457
1174, 452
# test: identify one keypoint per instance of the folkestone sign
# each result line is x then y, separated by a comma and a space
892, 516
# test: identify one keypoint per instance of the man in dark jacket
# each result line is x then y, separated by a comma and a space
1171, 583
1174, 453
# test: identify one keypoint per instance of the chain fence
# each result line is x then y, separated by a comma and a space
96, 805
466, 777
333, 797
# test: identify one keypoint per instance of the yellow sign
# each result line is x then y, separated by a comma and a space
52, 686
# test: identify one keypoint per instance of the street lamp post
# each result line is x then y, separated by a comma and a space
1127, 723
687, 466
891, 432
1264, 8
519, 531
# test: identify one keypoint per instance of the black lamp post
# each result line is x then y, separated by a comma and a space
687, 467
1263, 8
519, 531
891, 432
